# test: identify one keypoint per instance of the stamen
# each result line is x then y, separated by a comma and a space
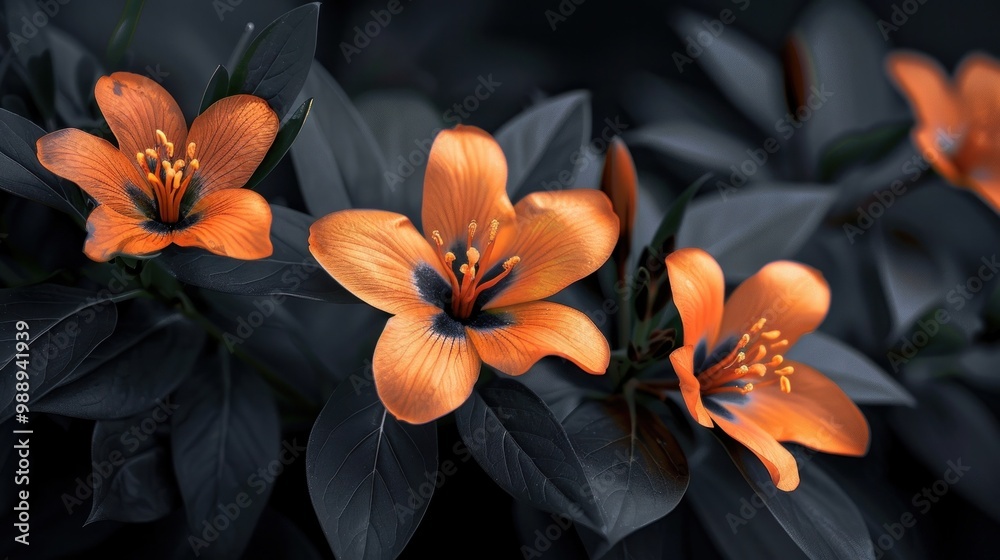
161, 138
740, 371
775, 360
494, 228
759, 353
770, 335
190, 151
786, 385
741, 357
473, 255
787, 370
758, 369
472, 232
436, 235
449, 258
783, 343
744, 340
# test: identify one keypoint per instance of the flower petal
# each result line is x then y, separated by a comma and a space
232, 223
699, 291
793, 297
619, 182
231, 138
135, 107
98, 168
936, 104
988, 189
110, 234
683, 362
466, 180
562, 237
512, 339
381, 258
816, 413
424, 365
780, 463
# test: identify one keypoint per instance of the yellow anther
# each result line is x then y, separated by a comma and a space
758, 369
449, 257
436, 235
783, 343
746, 388
170, 150
776, 360
758, 325
770, 335
494, 227
787, 370
741, 357
177, 179
509, 263
193, 165
141, 158
178, 165
786, 385
153, 179
472, 229
166, 164
744, 340
190, 150
161, 138
464, 269
151, 153
742, 370
473, 255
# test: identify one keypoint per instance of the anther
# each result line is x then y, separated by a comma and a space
786, 385
494, 227
436, 235
758, 369
741, 357
770, 335
744, 340
746, 388
776, 360
742, 370
190, 150
161, 138
787, 370
783, 343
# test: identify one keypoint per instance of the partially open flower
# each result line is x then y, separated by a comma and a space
467, 291
164, 184
732, 369
957, 121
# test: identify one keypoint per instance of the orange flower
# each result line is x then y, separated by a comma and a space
957, 122
150, 194
450, 316
618, 181
731, 370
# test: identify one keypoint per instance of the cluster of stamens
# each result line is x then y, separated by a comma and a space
465, 292
168, 178
748, 358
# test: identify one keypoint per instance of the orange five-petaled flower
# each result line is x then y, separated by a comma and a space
467, 291
164, 184
731, 367
957, 122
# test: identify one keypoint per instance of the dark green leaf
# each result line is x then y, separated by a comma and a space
291, 270
217, 88
121, 37
540, 143
337, 161
663, 240
519, 443
21, 173
134, 478
817, 515
863, 147
275, 65
142, 371
371, 477
225, 430
64, 324
635, 467
282, 142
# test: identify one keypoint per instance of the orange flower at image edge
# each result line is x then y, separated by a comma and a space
164, 184
467, 292
731, 367
957, 122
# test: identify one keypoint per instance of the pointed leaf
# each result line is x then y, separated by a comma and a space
276, 62
337, 161
368, 474
217, 88
225, 430
634, 465
122, 34
540, 143
748, 229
